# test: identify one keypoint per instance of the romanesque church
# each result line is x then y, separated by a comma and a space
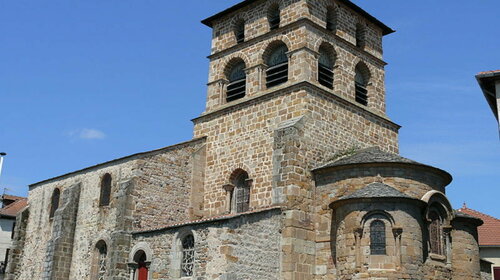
293, 173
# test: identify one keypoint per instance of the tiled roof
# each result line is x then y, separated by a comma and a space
489, 232
488, 72
12, 197
369, 155
15, 207
375, 190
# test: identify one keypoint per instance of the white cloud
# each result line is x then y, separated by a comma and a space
87, 133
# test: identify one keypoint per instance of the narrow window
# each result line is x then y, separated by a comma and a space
242, 192
435, 233
360, 86
239, 31
187, 264
277, 73
274, 17
102, 253
360, 36
54, 204
13, 230
237, 82
105, 190
331, 20
377, 238
325, 69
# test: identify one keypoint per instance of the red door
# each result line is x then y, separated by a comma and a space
143, 272
496, 273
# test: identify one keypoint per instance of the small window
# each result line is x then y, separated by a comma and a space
360, 85
331, 19
239, 31
236, 88
435, 233
360, 36
277, 73
54, 203
377, 238
102, 253
187, 264
242, 192
325, 69
274, 17
105, 190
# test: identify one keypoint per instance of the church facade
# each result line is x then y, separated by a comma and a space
293, 173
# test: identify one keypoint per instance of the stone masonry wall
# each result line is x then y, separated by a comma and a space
465, 250
243, 247
105, 222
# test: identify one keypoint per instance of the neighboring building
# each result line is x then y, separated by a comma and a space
489, 240
293, 173
11, 206
490, 85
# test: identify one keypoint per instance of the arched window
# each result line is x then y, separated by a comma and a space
435, 231
360, 35
331, 19
187, 263
377, 238
54, 202
274, 16
142, 270
277, 61
241, 193
239, 31
105, 190
236, 88
325, 68
101, 262
360, 84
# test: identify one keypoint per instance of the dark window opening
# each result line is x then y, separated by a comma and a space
242, 192
105, 196
361, 91
274, 17
325, 70
331, 22
277, 73
187, 264
377, 238
435, 233
54, 203
240, 32
360, 36
236, 88
102, 251
13, 230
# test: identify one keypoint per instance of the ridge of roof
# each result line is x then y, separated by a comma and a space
386, 30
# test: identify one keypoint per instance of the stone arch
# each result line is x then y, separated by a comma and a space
328, 49
270, 46
227, 62
361, 34
141, 246
230, 63
438, 200
377, 214
272, 8
331, 17
364, 69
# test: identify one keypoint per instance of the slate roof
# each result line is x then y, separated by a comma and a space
489, 232
376, 190
369, 155
15, 207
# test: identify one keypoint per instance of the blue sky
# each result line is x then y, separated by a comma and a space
83, 82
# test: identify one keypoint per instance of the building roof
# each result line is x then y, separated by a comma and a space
487, 81
489, 232
12, 197
376, 190
385, 29
369, 155
15, 207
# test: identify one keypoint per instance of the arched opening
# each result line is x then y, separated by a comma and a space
142, 270
105, 195
273, 16
360, 35
360, 84
241, 192
277, 62
377, 238
325, 67
100, 263
435, 233
54, 202
236, 76
331, 19
188, 258
239, 31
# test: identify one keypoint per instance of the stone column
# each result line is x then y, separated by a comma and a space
216, 94
358, 234
397, 231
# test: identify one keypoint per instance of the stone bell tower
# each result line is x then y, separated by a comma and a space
277, 68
